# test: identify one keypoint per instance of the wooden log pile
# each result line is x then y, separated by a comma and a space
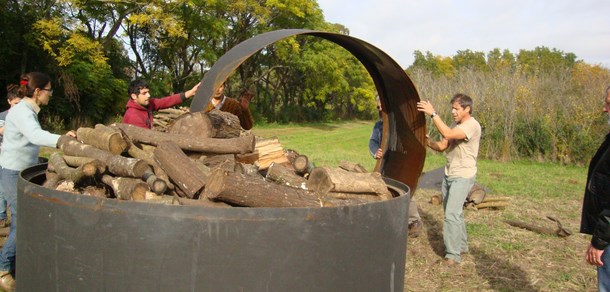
203, 159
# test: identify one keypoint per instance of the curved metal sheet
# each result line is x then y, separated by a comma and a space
404, 128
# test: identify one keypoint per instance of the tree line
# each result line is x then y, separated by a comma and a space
542, 103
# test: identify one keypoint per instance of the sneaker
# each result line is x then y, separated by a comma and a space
7, 282
415, 229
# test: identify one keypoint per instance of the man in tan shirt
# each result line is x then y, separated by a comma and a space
460, 141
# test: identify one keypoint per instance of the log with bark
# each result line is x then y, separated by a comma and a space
78, 175
117, 165
237, 189
351, 166
102, 137
285, 176
559, 231
243, 144
148, 156
323, 180
126, 188
181, 169
302, 165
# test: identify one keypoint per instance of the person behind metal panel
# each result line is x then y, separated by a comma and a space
22, 138
140, 106
12, 98
595, 218
460, 141
414, 220
239, 108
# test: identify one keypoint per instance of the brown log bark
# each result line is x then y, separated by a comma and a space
323, 180
117, 165
302, 165
102, 137
237, 189
193, 124
77, 175
244, 144
52, 179
225, 124
247, 169
180, 168
351, 166
126, 188
76, 161
476, 194
361, 197
216, 160
285, 176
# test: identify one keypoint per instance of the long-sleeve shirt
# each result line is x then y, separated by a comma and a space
140, 116
23, 136
596, 203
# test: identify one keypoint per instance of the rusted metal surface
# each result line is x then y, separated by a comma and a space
404, 127
71, 242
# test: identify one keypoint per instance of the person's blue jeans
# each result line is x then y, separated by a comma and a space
8, 190
455, 190
603, 272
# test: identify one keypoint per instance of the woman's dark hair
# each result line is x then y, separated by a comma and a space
30, 81
11, 92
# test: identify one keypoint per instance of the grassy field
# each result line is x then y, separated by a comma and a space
502, 257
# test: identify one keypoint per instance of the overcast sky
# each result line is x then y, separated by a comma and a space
399, 27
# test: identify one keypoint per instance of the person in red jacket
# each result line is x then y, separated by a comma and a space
140, 107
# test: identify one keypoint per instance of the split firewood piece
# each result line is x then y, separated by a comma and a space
148, 156
76, 161
243, 144
126, 188
302, 165
497, 204
117, 165
52, 179
324, 180
237, 189
351, 166
77, 175
488, 199
102, 137
203, 202
157, 185
285, 176
181, 169
269, 151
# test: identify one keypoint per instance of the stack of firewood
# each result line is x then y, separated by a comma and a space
203, 159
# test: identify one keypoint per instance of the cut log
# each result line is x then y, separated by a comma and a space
323, 180
225, 124
52, 180
476, 194
117, 165
302, 165
247, 169
126, 188
148, 156
102, 137
76, 161
157, 185
244, 144
193, 124
216, 160
361, 197
498, 204
77, 175
495, 199
181, 169
351, 166
285, 176
237, 189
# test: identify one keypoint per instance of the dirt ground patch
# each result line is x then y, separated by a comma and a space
501, 257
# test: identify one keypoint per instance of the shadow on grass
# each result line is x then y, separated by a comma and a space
499, 273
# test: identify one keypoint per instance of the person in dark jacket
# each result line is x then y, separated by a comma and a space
595, 218
239, 108
140, 107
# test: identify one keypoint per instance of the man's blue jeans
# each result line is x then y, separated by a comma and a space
455, 190
8, 190
603, 272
